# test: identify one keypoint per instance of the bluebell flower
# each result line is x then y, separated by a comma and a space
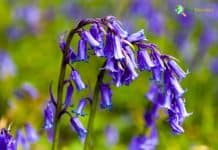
106, 95
130, 68
111, 134
30, 14
175, 122
157, 74
71, 55
75, 76
144, 60
7, 66
78, 128
31, 134
116, 26
27, 89
22, 141
79, 111
151, 115
131, 54
175, 85
85, 35
111, 65
99, 36
82, 50
69, 93
7, 142
49, 114
143, 142
138, 36
108, 49
176, 69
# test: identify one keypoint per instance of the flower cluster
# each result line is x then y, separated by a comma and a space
7, 142
106, 38
28, 138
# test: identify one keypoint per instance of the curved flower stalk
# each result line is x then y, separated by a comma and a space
107, 38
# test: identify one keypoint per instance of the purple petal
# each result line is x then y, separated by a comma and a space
175, 122
49, 114
108, 49
77, 80
68, 99
138, 36
78, 128
117, 27
82, 50
21, 140
176, 69
111, 65
144, 60
80, 107
106, 95
90, 39
117, 48
176, 87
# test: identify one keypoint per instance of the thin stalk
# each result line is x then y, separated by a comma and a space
63, 67
88, 145
60, 90
59, 105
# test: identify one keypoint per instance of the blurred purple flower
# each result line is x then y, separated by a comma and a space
14, 32
72, 10
21, 140
207, 37
143, 142
146, 9
112, 135
214, 66
30, 14
26, 140
27, 89
7, 142
7, 67
31, 134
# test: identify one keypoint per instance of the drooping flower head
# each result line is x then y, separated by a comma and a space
124, 54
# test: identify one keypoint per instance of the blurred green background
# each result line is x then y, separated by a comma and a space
30, 38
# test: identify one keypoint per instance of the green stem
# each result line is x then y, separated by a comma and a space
59, 105
63, 67
89, 141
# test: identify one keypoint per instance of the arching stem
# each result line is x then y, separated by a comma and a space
88, 145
